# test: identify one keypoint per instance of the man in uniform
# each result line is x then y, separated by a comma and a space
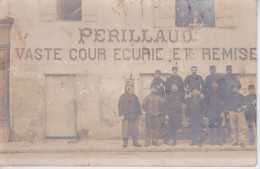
153, 106
174, 79
213, 77
194, 81
250, 100
226, 86
159, 84
129, 110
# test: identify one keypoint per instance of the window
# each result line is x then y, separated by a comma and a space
195, 13
70, 10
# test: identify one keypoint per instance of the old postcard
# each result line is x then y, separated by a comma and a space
128, 83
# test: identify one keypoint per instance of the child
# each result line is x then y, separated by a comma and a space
173, 110
195, 114
153, 105
250, 100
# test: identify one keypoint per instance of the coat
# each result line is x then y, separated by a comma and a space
173, 103
250, 107
208, 81
236, 101
129, 106
153, 105
174, 79
214, 107
159, 85
194, 81
194, 107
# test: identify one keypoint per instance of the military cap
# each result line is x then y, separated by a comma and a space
251, 87
157, 71
229, 67
212, 67
129, 82
174, 68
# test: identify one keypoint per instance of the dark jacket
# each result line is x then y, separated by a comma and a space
208, 81
250, 107
214, 107
129, 106
173, 103
195, 107
153, 105
236, 101
194, 81
159, 85
227, 82
174, 79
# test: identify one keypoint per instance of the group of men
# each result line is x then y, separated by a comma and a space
210, 107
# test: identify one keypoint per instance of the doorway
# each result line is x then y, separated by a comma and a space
61, 106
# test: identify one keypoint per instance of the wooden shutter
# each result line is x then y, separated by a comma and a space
89, 10
48, 10
164, 13
227, 13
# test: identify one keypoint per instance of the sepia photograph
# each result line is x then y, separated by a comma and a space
128, 83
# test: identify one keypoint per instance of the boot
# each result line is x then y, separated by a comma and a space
166, 141
147, 143
135, 143
155, 143
173, 142
125, 142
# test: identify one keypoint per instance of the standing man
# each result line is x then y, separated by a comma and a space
237, 117
213, 77
129, 111
173, 110
194, 81
159, 83
250, 100
153, 106
214, 106
195, 114
226, 86
174, 79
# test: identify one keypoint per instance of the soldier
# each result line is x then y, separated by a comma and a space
153, 105
159, 83
214, 105
173, 110
129, 110
194, 81
226, 86
174, 79
250, 100
213, 77
195, 114
237, 117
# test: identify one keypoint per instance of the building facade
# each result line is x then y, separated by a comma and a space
68, 63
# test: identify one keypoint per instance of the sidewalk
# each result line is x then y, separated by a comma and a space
64, 146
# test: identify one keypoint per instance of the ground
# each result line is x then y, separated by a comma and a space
111, 153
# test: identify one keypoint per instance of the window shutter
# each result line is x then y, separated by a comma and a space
89, 10
227, 13
49, 10
164, 13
